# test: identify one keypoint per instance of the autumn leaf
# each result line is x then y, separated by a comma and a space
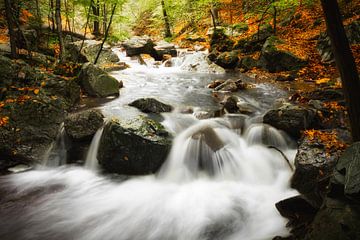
322, 81
36, 91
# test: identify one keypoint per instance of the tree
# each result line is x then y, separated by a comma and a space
10, 21
96, 13
345, 63
59, 28
166, 20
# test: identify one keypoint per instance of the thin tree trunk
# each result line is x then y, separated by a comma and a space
59, 29
345, 63
166, 20
96, 12
10, 22
39, 23
106, 33
86, 25
66, 5
274, 19
104, 18
52, 15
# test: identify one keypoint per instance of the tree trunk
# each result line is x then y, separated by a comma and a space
106, 33
10, 22
59, 28
345, 63
51, 15
96, 12
104, 18
166, 20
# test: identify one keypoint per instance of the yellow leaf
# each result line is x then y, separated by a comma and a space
36, 91
322, 81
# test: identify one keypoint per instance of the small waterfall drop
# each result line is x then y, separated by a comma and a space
56, 155
91, 161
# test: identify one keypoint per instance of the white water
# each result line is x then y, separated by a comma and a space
56, 155
219, 183
91, 161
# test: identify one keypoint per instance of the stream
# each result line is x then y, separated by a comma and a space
220, 180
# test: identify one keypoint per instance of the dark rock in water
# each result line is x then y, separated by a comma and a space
255, 42
314, 166
275, 60
336, 220
227, 60
232, 85
96, 82
347, 171
162, 49
292, 119
216, 83
230, 104
32, 127
151, 105
134, 148
89, 52
83, 125
324, 44
138, 45
327, 94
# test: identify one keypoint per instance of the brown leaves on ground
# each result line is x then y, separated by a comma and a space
329, 140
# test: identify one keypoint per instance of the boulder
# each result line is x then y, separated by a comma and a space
326, 94
83, 125
347, 171
227, 60
255, 42
248, 63
324, 44
275, 60
232, 85
220, 41
96, 82
336, 220
215, 83
292, 119
162, 49
199, 62
89, 52
233, 104
315, 163
137, 147
7, 71
151, 105
138, 45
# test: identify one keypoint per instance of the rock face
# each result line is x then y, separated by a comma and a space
135, 148
89, 52
324, 44
255, 42
347, 171
138, 45
227, 60
248, 63
314, 167
83, 125
96, 82
220, 41
275, 60
151, 105
292, 119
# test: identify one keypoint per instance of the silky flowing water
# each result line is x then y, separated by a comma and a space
220, 180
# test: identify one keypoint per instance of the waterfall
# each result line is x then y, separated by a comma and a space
56, 155
91, 161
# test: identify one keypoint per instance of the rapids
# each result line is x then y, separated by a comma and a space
220, 180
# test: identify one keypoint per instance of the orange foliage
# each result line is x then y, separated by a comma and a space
329, 140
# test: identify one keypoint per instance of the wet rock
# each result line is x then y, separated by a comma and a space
115, 67
233, 104
232, 85
151, 105
314, 166
227, 60
275, 60
138, 45
337, 220
326, 94
324, 44
163, 48
96, 82
89, 52
199, 62
292, 119
83, 125
215, 83
133, 148
347, 171
255, 42
285, 78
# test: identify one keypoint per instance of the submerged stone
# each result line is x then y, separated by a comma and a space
151, 105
